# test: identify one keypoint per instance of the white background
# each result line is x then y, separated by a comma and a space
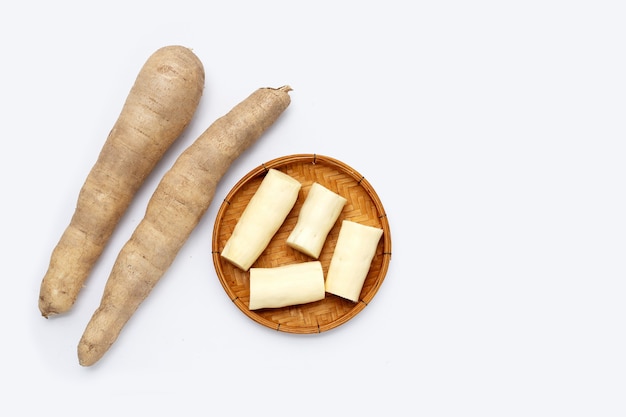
493, 131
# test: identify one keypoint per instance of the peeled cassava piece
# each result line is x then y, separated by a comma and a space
318, 214
355, 248
286, 285
265, 213
158, 108
178, 203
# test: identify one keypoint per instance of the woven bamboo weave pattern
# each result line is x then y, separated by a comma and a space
363, 206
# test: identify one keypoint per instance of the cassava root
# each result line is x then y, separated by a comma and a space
159, 106
175, 208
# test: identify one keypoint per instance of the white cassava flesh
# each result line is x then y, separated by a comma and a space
286, 285
318, 214
265, 213
352, 258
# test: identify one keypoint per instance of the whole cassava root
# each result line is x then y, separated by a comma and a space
159, 106
177, 205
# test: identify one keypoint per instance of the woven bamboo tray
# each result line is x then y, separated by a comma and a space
363, 206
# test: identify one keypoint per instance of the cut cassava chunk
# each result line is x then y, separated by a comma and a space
286, 285
318, 214
265, 213
352, 258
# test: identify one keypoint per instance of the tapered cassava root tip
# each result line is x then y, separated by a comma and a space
88, 355
46, 308
49, 309
53, 302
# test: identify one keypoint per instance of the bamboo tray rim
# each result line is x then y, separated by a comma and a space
222, 265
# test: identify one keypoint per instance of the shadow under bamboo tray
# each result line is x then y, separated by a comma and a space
362, 206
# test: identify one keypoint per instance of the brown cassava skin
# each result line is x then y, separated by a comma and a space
158, 108
177, 205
